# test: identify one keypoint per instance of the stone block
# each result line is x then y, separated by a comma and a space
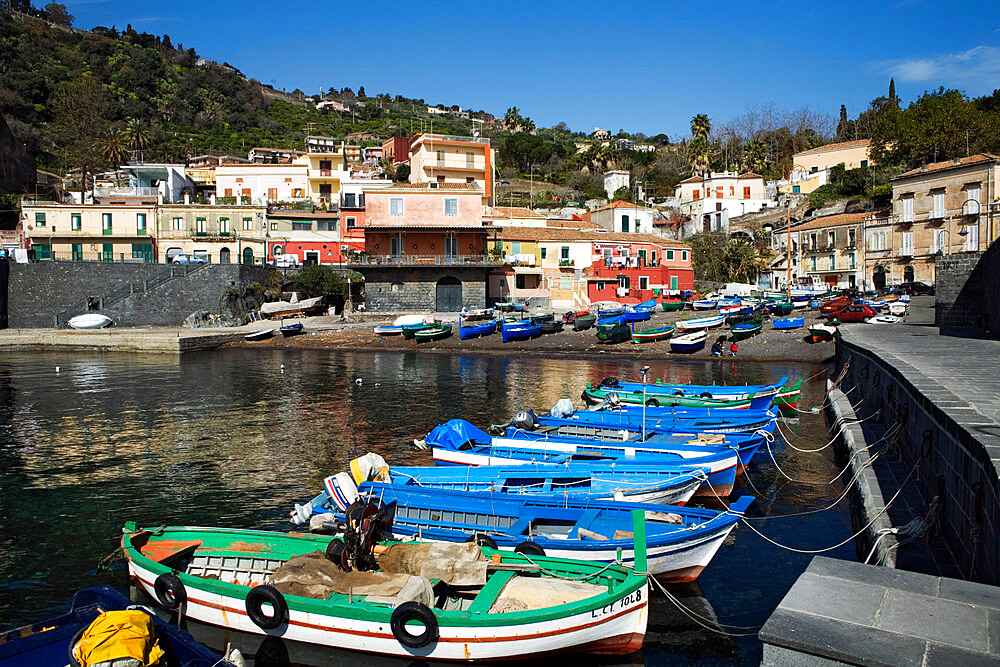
913, 582
941, 655
835, 598
969, 592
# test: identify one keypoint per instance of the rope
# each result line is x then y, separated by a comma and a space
916, 529
571, 578
701, 620
770, 439
840, 420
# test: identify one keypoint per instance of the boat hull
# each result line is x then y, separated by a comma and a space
89, 321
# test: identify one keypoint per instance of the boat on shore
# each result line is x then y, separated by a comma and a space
670, 306
296, 585
433, 332
822, 332
651, 335
746, 329
259, 335
787, 323
397, 325
476, 315
281, 309
519, 330
704, 304
584, 322
289, 330
476, 329
89, 321
571, 316
689, 342
701, 322
551, 327
616, 332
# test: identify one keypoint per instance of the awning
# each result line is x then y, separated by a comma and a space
528, 270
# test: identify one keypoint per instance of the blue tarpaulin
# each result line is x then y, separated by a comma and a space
455, 434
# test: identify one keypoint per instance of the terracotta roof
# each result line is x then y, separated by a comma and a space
562, 223
835, 220
558, 234
750, 174
691, 179
836, 147
618, 203
304, 214
514, 212
950, 164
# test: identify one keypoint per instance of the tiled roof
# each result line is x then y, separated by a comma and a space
618, 203
835, 220
836, 147
514, 212
692, 179
950, 164
557, 234
750, 174
561, 223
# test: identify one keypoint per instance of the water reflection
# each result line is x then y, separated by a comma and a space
230, 438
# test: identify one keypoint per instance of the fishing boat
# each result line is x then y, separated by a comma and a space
727, 391
510, 307
584, 322
780, 307
671, 306
576, 481
397, 325
704, 304
48, 642
688, 343
597, 395
472, 330
434, 332
611, 319
787, 323
614, 333
650, 335
610, 312
636, 315
476, 315
89, 321
730, 310
254, 581
522, 330
898, 308
800, 301
680, 541
387, 330
542, 319
277, 310
410, 330
701, 322
787, 399
645, 305
552, 327
822, 332
746, 329
571, 316
259, 335
883, 319
678, 420
289, 330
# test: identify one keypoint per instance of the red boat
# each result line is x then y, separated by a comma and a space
569, 317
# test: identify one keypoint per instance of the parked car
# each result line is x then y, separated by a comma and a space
853, 313
915, 287
286, 261
187, 258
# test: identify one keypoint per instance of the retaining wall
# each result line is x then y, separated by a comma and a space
412, 289
967, 287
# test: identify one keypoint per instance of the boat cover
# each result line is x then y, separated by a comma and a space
523, 593
457, 564
312, 575
456, 434
120, 635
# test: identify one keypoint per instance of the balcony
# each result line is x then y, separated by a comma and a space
207, 235
424, 260
936, 219
566, 263
127, 192
454, 166
906, 252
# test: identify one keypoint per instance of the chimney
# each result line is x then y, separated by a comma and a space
957, 161
923, 168
187, 197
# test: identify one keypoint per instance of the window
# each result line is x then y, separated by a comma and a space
642, 257
832, 261
732, 191
864, 163
624, 223
623, 281
298, 193
451, 206
139, 250
972, 240
396, 206
565, 282
248, 224
470, 160
519, 281
653, 258
543, 252
440, 158
396, 246
564, 252
673, 282
696, 194
74, 222
140, 223
201, 226
718, 192
746, 192
670, 254
600, 286
272, 194
831, 239
177, 224
971, 195
851, 238
228, 192
812, 241
908, 208
643, 282
939, 245
77, 252
224, 226
851, 261
349, 200
938, 204
813, 263
39, 219
302, 226
352, 222
106, 223
813, 170
274, 226
451, 246
906, 243
515, 247
397, 287
684, 255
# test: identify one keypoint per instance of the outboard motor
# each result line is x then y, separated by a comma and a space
609, 382
563, 408
525, 420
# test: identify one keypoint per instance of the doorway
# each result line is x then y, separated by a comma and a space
448, 295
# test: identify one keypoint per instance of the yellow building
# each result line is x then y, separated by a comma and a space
441, 158
107, 233
811, 167
218, 234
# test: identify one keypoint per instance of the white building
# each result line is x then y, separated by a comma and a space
613, 180
622, 216
263, 183
727, 191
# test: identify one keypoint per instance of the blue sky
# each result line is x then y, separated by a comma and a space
643, 67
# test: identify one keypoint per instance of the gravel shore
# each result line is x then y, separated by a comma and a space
769, 345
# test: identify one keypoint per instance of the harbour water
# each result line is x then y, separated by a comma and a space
235, 437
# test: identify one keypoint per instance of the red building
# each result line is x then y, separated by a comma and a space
396, 150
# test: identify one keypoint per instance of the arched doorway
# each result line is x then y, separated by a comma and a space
449, 295
878, 277
908, 274
224, 256
248, 256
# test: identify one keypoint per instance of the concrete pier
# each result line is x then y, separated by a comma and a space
165, 340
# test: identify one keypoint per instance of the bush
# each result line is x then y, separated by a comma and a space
320, 280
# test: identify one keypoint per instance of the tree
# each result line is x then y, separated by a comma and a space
361, 93
755, 156
136, 136
892, 93
701, 127
624, 193
80, 122
512, 119
402, 173
320, 280
56, 13
113, 148
845, 128
698, 155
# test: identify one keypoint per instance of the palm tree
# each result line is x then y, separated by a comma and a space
744, 261
701, 126
698, 155
113, 148
755, 156
136, 136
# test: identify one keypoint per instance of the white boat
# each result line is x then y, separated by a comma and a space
883, 319
691, 342
701, 322
704, 304
404, 320
897, 308
89, 321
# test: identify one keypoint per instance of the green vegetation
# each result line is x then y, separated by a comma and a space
860, 182
717, 258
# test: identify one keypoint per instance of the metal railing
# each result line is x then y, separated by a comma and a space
127, 192
454, 137
416, 260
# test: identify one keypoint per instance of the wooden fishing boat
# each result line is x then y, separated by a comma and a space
610, 312
898, 308
89, 321
636, 315
704, 304
690, 421
410, 330
746, 329
250, 581
787, 399
259, 335
671, 306
688, 343
541, 319
289, 330
731, 392
397, 325
614, 333
597, 395
584, 322
477, 315
522, 330
551, 327
680, 541
571, 316
434, 332
476, 329
650, 335
48, 642
780, 307
787, 323
883, 319
822, 332
730, 310
645, 305
701, 322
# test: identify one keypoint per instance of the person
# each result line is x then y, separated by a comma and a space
733, 348
717, 348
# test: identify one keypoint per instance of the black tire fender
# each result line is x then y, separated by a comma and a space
335, 553
169, 591
73, 662
254, 606
652, 403
529, 548
483, 540
413, 611
705, 394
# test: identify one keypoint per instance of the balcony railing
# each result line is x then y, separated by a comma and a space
454, 137
566, 263
190, 233
126, 192
416, 260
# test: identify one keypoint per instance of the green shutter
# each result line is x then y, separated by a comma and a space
77, 252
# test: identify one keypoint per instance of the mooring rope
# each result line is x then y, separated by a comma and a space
705, 622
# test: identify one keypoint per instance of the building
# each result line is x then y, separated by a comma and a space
938, 209
513, 216
396, 150
262, 183
200, 170
317, 144
439, 158
425, 247
220, 234
273, 155
105, 232
313, 237
333, 105
615, 180
726, 192
325, 173
625, 217
830, 249
600, 135
812, 167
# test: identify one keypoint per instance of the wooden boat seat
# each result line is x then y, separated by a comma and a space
164, 550
489, 593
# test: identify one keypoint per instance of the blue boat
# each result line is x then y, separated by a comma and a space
728, 391
48, 642
611, 319
644, 306
636, 315
787, 323
522, 330
291, 329
681, 541
474, 329
602, 313
719, 421
577, 481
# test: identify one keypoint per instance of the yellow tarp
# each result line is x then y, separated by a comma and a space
119, 634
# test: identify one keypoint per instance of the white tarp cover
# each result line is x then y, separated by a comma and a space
278, 307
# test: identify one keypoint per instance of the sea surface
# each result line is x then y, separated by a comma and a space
235, 437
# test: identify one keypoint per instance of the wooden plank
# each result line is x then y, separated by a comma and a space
490, 592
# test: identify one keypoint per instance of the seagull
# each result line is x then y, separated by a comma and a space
358, 381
